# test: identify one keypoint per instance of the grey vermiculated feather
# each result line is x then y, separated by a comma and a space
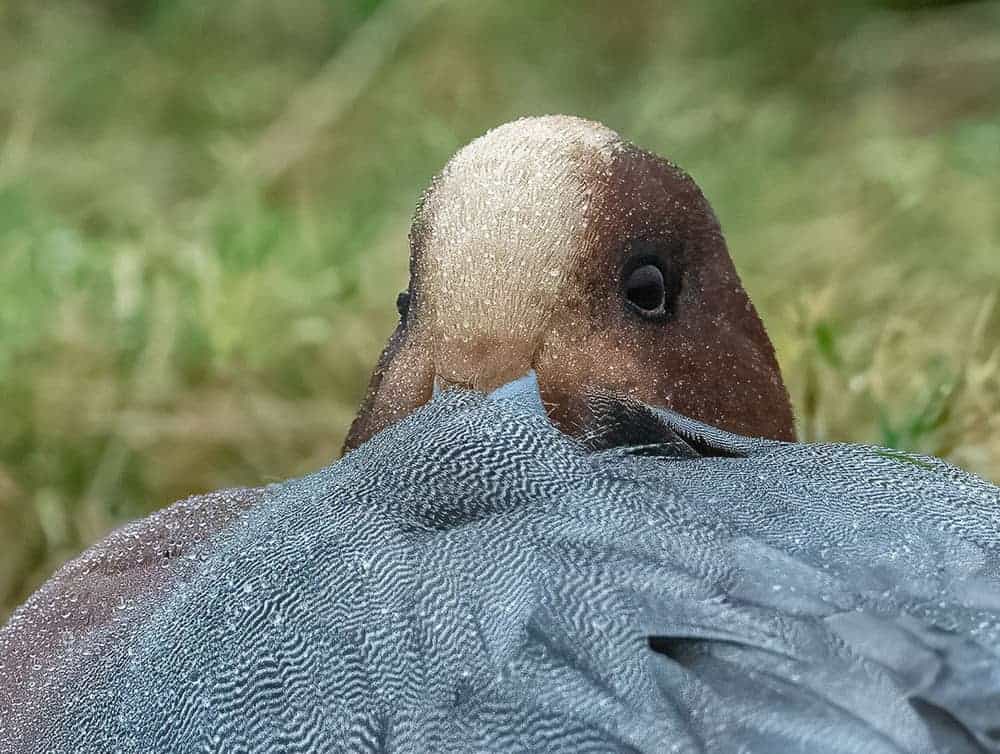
472, 580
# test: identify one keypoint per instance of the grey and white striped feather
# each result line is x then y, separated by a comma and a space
471, 580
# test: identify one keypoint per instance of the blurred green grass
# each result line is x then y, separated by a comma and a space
204, 207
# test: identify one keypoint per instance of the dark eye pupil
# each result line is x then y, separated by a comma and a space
645, 288
403, 304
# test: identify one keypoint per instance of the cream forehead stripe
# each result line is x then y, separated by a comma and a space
505, 222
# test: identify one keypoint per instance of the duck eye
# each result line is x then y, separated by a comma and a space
646, 290
403, 304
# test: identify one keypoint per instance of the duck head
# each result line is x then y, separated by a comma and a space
552, 244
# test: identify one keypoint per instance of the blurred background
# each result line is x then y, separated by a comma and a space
204, 208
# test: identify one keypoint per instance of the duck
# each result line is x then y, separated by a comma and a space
531, 566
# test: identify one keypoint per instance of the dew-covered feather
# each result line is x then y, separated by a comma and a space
472, 580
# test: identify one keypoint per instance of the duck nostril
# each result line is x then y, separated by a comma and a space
645, 289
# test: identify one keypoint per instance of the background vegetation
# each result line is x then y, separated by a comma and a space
204, 207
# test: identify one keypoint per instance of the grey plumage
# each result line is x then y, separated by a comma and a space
472, 580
